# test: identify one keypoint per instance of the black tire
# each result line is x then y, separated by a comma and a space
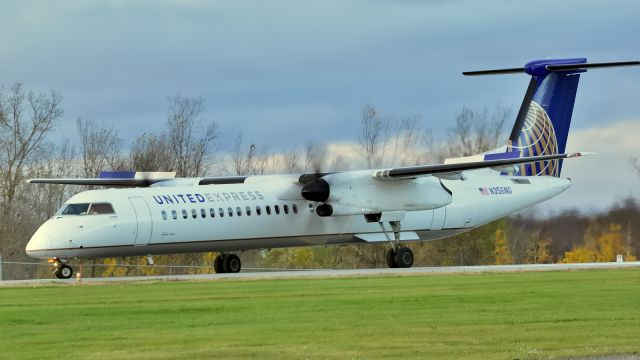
390, 257
404, 257
218, 264
232, 263
64, 272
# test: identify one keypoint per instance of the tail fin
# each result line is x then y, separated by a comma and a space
542, 124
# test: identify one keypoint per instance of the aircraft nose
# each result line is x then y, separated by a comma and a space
39, 242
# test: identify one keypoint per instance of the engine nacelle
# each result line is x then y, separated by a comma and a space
359, 193
342, 210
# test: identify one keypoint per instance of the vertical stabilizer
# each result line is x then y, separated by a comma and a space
545, 128
544, 118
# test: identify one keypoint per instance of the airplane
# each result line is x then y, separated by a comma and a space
144, 214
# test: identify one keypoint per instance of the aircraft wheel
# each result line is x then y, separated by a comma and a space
404, 257
218, 264
63, 272
391, 258
232, 263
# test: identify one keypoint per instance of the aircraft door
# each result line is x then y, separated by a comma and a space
144, 222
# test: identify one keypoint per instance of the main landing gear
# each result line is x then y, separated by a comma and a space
401, 257
62, 271
398, 256
227, 263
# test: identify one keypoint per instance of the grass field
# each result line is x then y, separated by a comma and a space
493, 316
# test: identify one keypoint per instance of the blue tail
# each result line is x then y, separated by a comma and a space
542, 124
546, 126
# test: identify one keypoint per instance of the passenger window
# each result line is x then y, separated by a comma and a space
294, 207
239, 211
221, 212
285, 208
174, 214
212, 212
277, 208
184, 214
203, 213
258, 210
248, 210
164, 215
230, 211
194, 213
268, 208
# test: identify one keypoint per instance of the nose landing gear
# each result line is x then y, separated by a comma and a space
62, 271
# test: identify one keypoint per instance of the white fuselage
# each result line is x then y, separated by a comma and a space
179, 219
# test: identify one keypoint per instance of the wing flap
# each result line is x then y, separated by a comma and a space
380, 237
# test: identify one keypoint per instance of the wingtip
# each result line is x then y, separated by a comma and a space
581, 153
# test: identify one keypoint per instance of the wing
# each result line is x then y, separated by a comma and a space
140, 179
118, 182
453, 171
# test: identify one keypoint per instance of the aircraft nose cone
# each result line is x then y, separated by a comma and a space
39, 242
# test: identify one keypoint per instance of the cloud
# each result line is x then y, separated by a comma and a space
599, 181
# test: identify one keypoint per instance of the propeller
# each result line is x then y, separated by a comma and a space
315, 188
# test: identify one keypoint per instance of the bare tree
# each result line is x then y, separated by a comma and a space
151, 152
100, 148
54, 162
389, 141
25, 121
251, 159
243, 158
291, 159
635, 163
191, 137
374, 134
476, 131
411, 145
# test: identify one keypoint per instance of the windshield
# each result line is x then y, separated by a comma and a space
75, 209
88, 209
100, 208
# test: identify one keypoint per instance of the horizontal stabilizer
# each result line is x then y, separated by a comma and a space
534, 68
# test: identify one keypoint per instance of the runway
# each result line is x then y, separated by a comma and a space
293, 274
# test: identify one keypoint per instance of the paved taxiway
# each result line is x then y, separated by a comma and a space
340, 273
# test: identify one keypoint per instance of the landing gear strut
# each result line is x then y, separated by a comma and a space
227, 263
62, 271
398, 256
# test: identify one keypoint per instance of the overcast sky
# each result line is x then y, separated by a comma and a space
289, 72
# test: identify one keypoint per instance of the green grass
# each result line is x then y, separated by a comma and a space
493, 316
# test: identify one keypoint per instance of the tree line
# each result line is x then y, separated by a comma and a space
189, 145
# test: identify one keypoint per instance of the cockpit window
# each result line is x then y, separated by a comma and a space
90, 209
100, 208
75, 209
